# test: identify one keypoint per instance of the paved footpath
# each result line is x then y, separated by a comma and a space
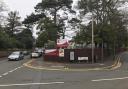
38, 63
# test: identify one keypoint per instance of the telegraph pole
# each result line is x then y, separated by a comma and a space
92, 38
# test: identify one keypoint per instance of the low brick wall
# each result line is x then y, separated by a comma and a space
121, 50
4, 53
82, 53
87, 52
52, 58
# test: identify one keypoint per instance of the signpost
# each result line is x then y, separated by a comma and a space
72, 56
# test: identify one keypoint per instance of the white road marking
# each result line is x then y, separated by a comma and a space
16, 68
19, 67
98, 80
26, 84
11, 71
58, 66
5, 73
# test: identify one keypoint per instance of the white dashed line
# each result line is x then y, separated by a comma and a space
16, 68
4, 74
111, 79
10, 71
19, 67
26, 84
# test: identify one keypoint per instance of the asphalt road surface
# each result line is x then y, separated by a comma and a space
13, 75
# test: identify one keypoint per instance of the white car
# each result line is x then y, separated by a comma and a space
35, 55
17, 55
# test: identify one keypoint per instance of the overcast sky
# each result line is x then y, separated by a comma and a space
25, 7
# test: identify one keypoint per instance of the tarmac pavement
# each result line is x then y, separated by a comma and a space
109, 64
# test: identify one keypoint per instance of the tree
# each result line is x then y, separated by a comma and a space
50, 28
48, 19
108, 20
33, 18
2, 9
25, 39
13, 22
6, 42
42, 39
52, 7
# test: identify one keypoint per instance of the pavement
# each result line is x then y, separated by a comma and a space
109, 64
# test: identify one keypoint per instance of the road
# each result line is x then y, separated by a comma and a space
13, 75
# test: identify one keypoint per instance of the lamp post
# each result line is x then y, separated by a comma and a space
92, 37
92, 46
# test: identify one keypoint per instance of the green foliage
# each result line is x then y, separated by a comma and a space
47, 20
50, 44
53, 5
13, 22
25, 39
109, 26
42, 39
4, 38
10, 38
6, 41
33, 18
47, 26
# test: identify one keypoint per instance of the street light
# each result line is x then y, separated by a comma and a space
92, 37
92, 32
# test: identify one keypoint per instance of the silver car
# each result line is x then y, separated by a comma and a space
17, 55
35, 55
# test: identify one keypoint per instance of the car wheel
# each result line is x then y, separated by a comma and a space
17, 59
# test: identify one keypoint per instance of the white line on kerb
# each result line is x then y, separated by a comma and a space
98, 80
26, 84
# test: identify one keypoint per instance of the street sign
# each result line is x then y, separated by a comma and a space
83, 58
72, 56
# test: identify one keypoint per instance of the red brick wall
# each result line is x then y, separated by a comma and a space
87, 52
4, 53
82, 53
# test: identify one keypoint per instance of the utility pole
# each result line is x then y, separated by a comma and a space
92, 38
92, 33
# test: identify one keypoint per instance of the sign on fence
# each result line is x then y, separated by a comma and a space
72, 56
83, 58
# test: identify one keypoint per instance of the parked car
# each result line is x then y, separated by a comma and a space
40, 51
35, 55
17, 55
25, 52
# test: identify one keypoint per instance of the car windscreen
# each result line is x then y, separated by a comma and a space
15, 53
